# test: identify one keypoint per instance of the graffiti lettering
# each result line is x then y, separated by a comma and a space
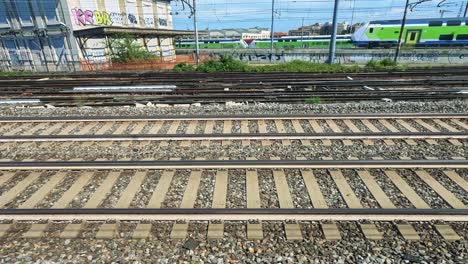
132, 19
118, 18
103, 18
162, 22
83, 17
147, 21
356, 57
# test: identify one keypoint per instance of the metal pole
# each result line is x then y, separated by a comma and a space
195, 26
331, 58
302, 34
397, 52
272, 33
466, 9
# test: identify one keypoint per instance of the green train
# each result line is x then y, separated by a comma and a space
312, 42
436, 32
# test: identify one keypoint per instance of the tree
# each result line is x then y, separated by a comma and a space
124, 49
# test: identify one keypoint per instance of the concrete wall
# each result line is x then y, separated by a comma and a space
441, 57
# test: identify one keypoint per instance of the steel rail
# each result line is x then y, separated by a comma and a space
149, 75
234, 214
239, 136
232, 117
231, 164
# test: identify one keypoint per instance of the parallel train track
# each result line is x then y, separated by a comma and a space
431, 84
136, 195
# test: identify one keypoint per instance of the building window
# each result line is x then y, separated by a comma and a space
12, 50
58, 43
3, 16
49, 9
24, 13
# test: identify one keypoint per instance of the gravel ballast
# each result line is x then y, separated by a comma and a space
455, 106
234, 247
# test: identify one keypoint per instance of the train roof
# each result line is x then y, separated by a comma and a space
416, 21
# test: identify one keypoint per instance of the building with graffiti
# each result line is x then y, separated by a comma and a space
57, 35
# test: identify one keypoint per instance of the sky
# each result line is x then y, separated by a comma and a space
219, 14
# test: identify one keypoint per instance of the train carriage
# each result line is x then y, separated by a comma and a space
437, 32
317, 42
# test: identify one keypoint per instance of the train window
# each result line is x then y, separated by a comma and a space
435, 23
295, 40
371, 30
462, 37
413, 36
454, 23
446, 37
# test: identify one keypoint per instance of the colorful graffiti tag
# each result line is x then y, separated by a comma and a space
103, 18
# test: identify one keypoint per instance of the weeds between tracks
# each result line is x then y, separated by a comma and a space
228, 64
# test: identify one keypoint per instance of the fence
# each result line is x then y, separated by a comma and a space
161, 63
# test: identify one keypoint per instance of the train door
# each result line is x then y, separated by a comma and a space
412, 37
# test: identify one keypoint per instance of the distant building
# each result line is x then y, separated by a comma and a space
280, 34
312, 30
355, 27
51, 35
327, 28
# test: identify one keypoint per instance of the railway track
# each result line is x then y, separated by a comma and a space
164, 125
239, 87
133, 75
245, 194
300, 132
111, 198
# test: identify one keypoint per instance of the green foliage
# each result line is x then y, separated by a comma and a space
372, 64
125, 49
228, 64
385, 64
224, 64
15, 73
313, 100
303, 66
184, 67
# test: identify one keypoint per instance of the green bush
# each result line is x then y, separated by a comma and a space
385, 64
15, 73
125, 49
184, 67
372, 64
313, 100
224, 64
303, 66
228, 64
